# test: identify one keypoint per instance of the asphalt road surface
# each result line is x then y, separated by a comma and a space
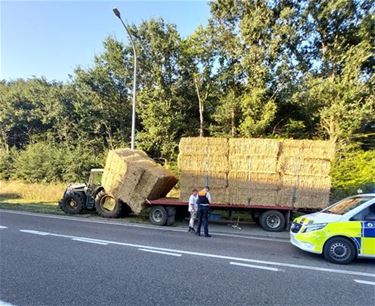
53, 260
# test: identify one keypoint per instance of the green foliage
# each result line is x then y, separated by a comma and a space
353, 171
7, 159
43, 162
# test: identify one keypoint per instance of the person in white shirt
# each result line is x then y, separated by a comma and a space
193, 208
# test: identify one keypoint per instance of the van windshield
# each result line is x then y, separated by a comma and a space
343, 206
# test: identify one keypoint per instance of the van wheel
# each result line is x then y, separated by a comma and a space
158, 215
272, 221
339, 250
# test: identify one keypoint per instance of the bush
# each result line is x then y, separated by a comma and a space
43, 162
7, 159
353, 171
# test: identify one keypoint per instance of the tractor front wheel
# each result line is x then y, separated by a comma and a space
72, 203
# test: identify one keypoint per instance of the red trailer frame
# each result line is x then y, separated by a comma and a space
270, 217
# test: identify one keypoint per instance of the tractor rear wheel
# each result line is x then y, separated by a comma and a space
107, 206
72, 203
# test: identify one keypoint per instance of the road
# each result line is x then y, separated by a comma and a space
54, 260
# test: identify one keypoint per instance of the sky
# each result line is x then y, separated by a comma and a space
51, 38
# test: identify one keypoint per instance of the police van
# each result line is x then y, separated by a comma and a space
341, 232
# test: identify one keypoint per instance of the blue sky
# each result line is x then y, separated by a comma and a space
51, 38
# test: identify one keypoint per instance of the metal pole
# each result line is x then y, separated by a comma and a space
117, 13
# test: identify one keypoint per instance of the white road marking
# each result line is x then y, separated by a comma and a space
3, 227
160, 252
158, 228
2, 303
90, 241
34, 232
253, 266
230, 258
364, 282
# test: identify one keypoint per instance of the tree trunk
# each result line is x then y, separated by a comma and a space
201, 107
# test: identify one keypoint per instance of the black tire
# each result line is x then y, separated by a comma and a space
255, 217
171, 220
158, 215
107, 206
272, 221
339, 250
72, 203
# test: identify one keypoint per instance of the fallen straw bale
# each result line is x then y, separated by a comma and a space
133, 177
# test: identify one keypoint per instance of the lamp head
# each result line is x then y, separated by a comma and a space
117, 12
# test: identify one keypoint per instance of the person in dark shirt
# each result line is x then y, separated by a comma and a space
204, 201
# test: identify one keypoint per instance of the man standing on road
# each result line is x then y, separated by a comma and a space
193, 207
204, 200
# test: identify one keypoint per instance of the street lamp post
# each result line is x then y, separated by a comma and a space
117, 13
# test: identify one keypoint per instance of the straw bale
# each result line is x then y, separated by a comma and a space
254, 146
204, 146
315, 149
248, 197
304, 198
219, 195
306, 182
121, 173
216, 179
293, 165
258, 163
201, 162
132, 177
253, 180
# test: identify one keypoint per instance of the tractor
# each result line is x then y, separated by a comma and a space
91, 196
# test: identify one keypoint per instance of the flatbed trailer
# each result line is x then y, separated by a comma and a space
270, 217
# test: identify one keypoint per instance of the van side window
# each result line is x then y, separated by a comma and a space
367, 214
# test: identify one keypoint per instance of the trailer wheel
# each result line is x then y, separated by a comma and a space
272, 221
158, 215
72, 203
107, 206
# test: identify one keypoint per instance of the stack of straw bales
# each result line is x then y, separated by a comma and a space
133, 177
264, 172
253, 177
304, 167
204, 161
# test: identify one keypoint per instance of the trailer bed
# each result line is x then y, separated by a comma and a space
178, 202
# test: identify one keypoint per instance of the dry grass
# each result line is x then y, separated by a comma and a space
20, 192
